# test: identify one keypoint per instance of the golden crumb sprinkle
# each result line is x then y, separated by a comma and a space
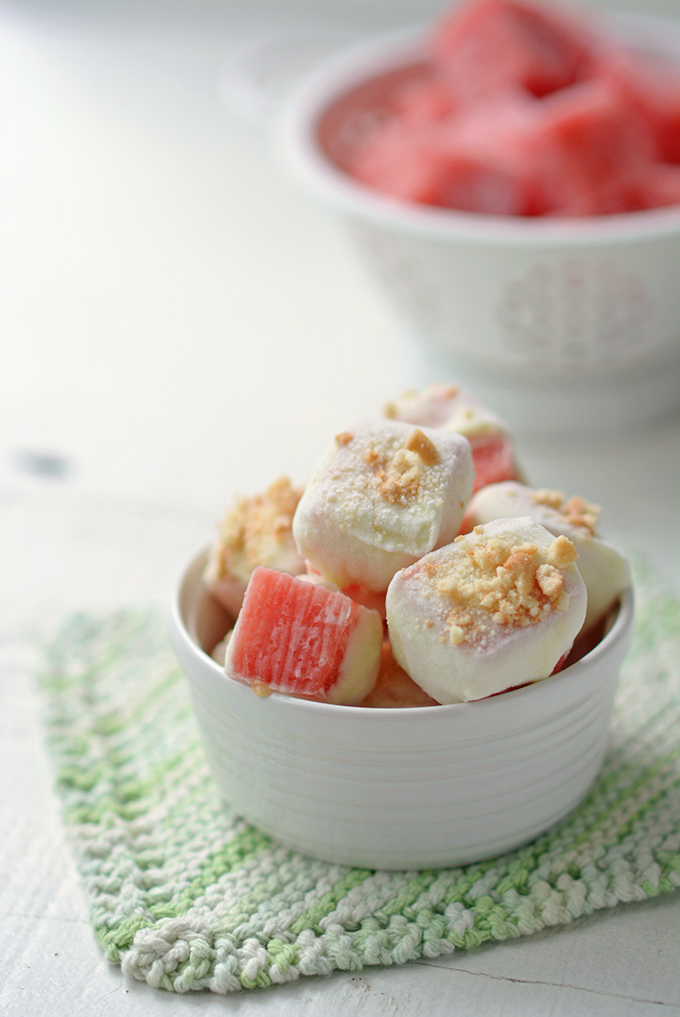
261, 689
576, 511
450, 391
252, 530
544, 496
419, 442
390, 411
512, 583
549, 579
344, 437
580, 513
562, 552
399, 481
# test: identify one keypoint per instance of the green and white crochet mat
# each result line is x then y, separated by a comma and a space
186, 895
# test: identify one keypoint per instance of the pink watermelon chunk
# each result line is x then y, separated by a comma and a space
474, 161
302, 639
651, 87
491, 44
591, 153
661, 186
493, 460
423, 100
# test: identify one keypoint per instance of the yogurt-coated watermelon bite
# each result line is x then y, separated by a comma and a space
453, 409
303, 639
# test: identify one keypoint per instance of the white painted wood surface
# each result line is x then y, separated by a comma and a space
177, 323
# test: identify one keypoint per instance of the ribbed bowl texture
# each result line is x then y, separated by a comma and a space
399, 788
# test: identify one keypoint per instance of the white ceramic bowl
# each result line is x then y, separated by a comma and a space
399, 789
560, 324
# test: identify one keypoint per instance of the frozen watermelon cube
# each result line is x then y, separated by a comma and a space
474, 161
402, 161
488, 45
303, 639
432, 177
590, 151
650, 85
452, 408
661, 186
423, 100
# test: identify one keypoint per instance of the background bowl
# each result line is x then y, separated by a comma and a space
561, 324
405, 788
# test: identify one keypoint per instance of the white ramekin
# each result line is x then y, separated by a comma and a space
399, 789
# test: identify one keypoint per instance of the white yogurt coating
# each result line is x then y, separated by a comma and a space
604, 571
253, 531
384, 494
497, 608
448, 407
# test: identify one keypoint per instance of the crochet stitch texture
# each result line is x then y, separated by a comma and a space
185, 895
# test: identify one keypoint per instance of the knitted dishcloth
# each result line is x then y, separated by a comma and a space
186, 895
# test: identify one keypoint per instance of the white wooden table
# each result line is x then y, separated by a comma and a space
177, 323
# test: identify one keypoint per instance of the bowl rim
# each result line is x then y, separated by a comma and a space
298, 148
192, 576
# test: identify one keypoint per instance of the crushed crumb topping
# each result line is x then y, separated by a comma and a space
385, 465
399, 480
581, 513
261, 689
497, 580
344, 438
252, 529
397, 467
562, 552
419, 442
544, 496
576, 511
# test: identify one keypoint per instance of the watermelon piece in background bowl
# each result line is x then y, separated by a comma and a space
650, 85
592, 153
473, 160
489, 45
